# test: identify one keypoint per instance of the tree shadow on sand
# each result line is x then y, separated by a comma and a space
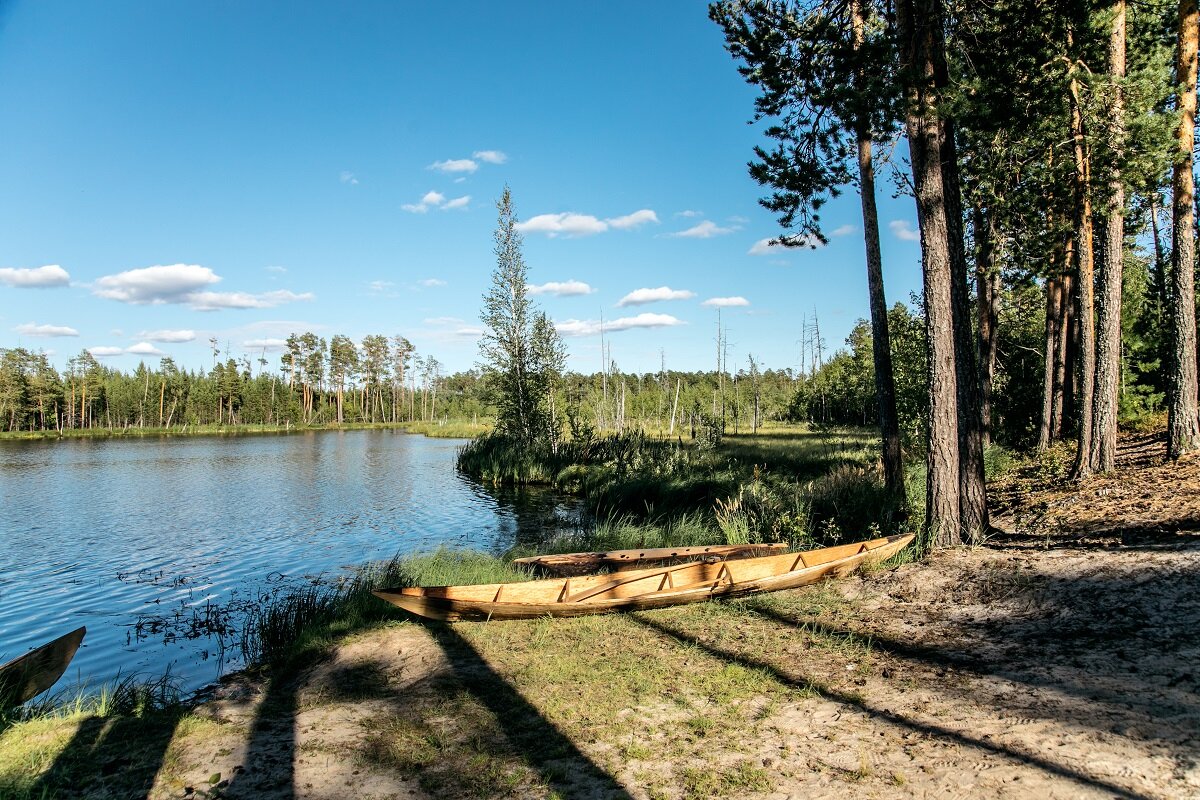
851, 700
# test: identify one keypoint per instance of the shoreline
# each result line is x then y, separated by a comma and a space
448, 429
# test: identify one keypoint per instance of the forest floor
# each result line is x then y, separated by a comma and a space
1057, 661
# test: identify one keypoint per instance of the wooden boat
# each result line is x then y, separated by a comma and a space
640, 589
568, 565
39, 669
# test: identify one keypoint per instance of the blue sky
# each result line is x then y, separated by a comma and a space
173, 172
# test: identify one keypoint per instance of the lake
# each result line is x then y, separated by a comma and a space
151, 542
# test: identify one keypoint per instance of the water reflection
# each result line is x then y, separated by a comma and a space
154, 543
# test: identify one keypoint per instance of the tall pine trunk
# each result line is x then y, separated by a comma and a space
1103, 455
1183, 430
1085, 303
1053, 314
885, 383
917, 20
987, 293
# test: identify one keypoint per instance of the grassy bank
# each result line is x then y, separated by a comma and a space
448, 429
447, 734
790, 484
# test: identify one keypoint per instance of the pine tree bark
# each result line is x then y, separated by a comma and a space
1183, 428
987, 294
973, 514
881, 341
1053, 314
1086, 343
1103, 454
916, 21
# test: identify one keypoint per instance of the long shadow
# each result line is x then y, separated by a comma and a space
116, 757
541, 744
1086, 687
269, 763
892, 717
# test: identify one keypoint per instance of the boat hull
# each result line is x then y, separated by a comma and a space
29, 675
639, 590
568, 565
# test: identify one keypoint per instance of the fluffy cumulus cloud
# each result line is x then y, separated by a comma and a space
346, 176
572, 224
639, 297
437, 200
431, 283
144, 349
765, 247
168, 336
703, 230
455, 165
591, 327
636, 219
571, 288
32, 329
184, 284
106, 352
903, 230
844, 230
491, 156
726, 302
155, 285
34, 277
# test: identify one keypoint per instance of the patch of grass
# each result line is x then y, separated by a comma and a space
716, 781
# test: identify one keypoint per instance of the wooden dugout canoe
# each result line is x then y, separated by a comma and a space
33, 673
640, 589
568, 565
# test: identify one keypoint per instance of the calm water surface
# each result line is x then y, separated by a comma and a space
144, 541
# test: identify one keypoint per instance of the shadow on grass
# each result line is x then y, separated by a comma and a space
537, 741
269, 767
803, 683
110, 757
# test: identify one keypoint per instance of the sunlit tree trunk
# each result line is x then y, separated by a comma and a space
1103, 456
1183, 430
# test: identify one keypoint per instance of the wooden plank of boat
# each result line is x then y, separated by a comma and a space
572, 564
33, 673
640, 589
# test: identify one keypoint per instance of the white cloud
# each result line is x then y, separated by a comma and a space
568, 223
844, 230
144, 349
277, 270
444, 321
155, 285
903, 230
105, 352
34, 277
637, 218
381, 287
168, 337
30, 329
642, 296
455, 165
432, 282
182, 284
725, 302
579, 327
270, 345
213, 301
347, 176
689, 213
765, 247
458, 202
436, 200
571, 288
469, 332
704, 230
491, 156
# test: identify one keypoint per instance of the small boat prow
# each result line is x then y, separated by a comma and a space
29, 675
